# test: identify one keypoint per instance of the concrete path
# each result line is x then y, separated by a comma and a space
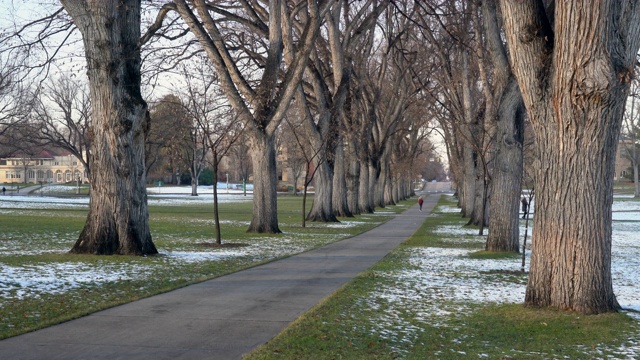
222, 318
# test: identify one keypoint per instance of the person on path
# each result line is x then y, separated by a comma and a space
525, 207
4, 190
420, 202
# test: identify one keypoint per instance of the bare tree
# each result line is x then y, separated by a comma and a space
504, 114
214, 120
118, 220
293, 155
574, 65
446, 30
169, 135
321, 101
309, 153
260, 101
631, 134
239, 156
110, 32
63, 117
15, 102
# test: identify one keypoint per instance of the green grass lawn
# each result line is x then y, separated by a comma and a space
411, 305
385, 313
36, 241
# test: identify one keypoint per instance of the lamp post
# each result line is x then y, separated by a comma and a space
227, 182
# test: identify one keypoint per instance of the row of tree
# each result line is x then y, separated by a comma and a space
341, 61
356, 84
573, 78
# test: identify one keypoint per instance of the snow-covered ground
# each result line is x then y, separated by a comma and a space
164, 195
445, 281
18, 282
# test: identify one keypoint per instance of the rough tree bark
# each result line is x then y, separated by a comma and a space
118, 220
340, 204
574, 75
506, 180
506, 111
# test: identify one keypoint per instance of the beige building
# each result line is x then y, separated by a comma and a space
45, 167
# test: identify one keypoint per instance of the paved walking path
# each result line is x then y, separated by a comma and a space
222, 318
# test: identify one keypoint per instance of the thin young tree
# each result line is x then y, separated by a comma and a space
214, 119
311, 155
574, 63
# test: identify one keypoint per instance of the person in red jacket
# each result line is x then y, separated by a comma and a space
420, 202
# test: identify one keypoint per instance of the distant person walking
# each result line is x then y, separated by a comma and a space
525, 207
4, 190
420, 202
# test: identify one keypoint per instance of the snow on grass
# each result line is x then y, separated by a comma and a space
56, 278
41, 202
18, 282
345, 224
438, 283
175, 195
444, 282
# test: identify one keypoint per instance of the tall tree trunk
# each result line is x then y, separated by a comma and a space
468, 186
353, 178
479, 192
574, 80
340, 206
265, 210
469, 153
118, 220
506, 110
636, 185
195, 173
386, 182
506, 181
322, 208
365, 202
375, 195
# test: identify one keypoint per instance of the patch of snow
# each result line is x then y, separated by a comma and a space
442, 282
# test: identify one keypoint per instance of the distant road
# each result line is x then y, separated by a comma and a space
438, 187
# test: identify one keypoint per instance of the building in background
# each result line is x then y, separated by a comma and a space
44, 166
